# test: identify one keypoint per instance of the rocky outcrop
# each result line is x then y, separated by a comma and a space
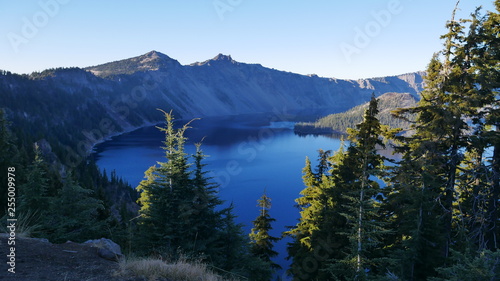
38, 259
107, 249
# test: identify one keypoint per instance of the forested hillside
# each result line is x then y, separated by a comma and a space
340, 122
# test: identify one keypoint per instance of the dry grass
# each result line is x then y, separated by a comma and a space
153, 269
25, 225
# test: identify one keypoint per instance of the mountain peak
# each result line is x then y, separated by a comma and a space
151, 61
218, 59
156, 55
222, 57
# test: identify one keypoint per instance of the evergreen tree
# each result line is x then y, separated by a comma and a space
74, 214
206, 209
360, 201
9, 156
483, 266
181, 213
232, 245
339, 233
454, 191
34, 198
261, 242
309, 248
427, 174
485, 33
166, 197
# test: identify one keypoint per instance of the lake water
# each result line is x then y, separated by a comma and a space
247, 156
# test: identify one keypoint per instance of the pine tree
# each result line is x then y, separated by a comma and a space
165, 197
34, 198
74, 213
423, 174
206, 211
9, 156
449, 181
309, 248
339, 233
360, 201
486, 58
261, 242
181, 213
466, 267
232, 246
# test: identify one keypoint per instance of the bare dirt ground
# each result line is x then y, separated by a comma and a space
38, 260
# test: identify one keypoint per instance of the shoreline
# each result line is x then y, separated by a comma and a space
312, 129
127, 129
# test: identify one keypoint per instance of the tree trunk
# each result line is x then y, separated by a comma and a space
492, 227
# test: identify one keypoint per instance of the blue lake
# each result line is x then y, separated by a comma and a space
247, 156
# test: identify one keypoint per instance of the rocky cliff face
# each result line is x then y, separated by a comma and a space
222, 86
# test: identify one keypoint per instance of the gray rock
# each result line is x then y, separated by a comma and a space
107, 249
107, 254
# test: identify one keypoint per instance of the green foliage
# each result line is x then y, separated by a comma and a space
360, 201
181, 213
74, 214
261, 242
49, 206
33, 193
443, 185
167, 199
484, 265
441, 200
9, 156
433, 155
341, 122
311, 241
340, 230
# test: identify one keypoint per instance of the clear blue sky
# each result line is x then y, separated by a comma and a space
321, 36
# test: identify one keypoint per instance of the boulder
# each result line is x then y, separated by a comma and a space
107, 249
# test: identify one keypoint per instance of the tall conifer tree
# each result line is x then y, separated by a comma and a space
261, 241
34, 197
165, 196
361, 200
74, 213
181, 213
309, 248
339, 231
453, 194
9, 156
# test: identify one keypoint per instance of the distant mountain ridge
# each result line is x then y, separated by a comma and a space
223, 86
93, 103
